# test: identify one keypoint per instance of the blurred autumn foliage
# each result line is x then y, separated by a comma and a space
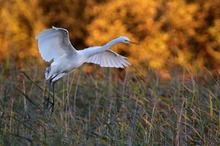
171, 33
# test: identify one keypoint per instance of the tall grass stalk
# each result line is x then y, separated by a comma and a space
105, 108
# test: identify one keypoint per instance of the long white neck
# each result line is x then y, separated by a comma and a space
111, 43
98, 49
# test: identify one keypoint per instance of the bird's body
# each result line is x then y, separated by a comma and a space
54, 44
64, 65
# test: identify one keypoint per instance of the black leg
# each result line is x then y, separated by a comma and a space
53, 99
48, 103
53, 102
47, 99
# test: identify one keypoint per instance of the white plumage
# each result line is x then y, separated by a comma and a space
54, 45
108, 58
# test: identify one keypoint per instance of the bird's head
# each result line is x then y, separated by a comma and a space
125, 40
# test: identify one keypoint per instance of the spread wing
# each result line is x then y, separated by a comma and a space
53, 43
109, 58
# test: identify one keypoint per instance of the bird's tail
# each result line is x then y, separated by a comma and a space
47, 72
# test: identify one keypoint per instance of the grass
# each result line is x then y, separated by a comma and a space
107, 108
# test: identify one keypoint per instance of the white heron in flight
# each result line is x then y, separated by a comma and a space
54, 44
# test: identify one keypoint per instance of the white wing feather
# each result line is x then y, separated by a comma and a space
109, 58
53, 43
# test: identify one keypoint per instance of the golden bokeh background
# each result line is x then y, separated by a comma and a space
171, 33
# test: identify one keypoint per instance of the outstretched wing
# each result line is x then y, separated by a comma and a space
53, 43
109, 58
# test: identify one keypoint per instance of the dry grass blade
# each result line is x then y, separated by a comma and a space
27, 97
102, 109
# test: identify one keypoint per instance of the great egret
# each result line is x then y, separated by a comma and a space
54, 44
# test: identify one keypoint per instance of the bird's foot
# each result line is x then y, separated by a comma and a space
47, 103
51, 107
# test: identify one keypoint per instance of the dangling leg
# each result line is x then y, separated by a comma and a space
47, 100
52, 83
53, 102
